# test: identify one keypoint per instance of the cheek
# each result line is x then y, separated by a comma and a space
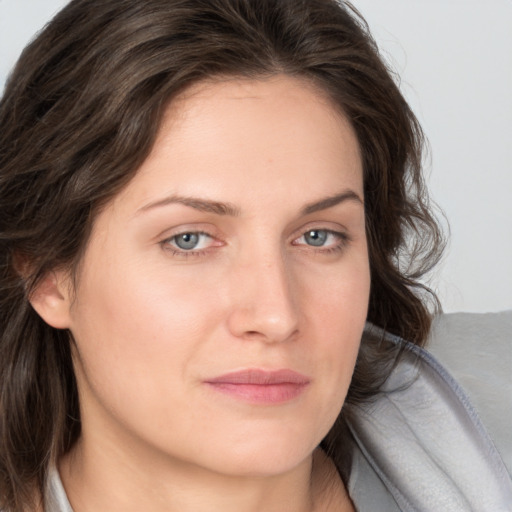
336, 310
141, 297
143, 319
336, 299
135, 363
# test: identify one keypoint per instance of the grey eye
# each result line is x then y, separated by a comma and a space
187, 241
316, 237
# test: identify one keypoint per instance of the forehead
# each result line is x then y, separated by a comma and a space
279, 99
265, 88
263, 134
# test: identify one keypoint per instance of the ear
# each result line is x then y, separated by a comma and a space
52, 299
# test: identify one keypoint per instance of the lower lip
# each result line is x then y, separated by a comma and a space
261, 393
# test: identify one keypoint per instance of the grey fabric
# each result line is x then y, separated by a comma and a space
368, 492
425, 442
477, 350
56, 499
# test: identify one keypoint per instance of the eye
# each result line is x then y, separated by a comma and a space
316, 237
325, 240
190, 241
320, 238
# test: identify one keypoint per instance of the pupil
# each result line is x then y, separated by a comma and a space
316, 237
187, 240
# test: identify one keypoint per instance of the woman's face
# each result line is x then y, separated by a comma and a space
223, 293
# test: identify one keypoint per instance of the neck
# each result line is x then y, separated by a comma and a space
103, 480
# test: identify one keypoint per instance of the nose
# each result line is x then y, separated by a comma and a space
263, 305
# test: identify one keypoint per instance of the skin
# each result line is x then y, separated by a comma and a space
151, 322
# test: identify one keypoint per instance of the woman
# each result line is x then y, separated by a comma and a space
203, 202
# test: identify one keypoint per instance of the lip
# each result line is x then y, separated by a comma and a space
261, 386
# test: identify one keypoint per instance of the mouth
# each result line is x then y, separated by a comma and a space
261, 386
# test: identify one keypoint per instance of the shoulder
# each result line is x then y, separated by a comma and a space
425, 441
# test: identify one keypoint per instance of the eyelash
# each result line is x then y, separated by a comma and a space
176, 251
343, 240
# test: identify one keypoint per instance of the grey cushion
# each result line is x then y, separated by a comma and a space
477, 350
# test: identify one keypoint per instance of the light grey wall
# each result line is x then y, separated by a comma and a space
19, 20
455, 60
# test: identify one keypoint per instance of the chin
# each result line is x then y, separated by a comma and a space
264, 463
265, 454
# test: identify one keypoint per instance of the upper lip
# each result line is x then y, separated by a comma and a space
261, 377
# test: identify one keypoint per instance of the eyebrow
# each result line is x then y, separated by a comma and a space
229, 209
203, 205
329, 202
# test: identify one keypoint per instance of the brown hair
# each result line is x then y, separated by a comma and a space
79, 115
